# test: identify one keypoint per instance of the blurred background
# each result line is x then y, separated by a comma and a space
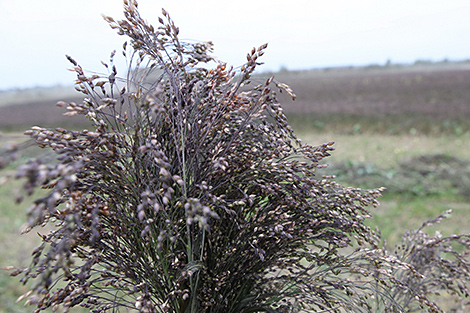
388, 81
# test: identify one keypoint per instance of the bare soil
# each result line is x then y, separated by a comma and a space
442, 91
43, 113
434, 92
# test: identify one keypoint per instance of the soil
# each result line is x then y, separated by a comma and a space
437, 91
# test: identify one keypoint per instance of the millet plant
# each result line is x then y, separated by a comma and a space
191, 193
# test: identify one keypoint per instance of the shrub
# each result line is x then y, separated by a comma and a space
191, 193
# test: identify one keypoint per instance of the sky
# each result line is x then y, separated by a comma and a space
36, 35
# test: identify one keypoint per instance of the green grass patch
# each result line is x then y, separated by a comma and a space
388, 124
399, 213
387, 151
424, 176
16, 248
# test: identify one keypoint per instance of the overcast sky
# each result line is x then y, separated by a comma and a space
36, 34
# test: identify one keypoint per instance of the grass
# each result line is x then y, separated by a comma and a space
381, 143
401, 211
388, 150
396, 214
150, 215
389, 124
15, 248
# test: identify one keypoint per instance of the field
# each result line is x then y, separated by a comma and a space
403, 127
